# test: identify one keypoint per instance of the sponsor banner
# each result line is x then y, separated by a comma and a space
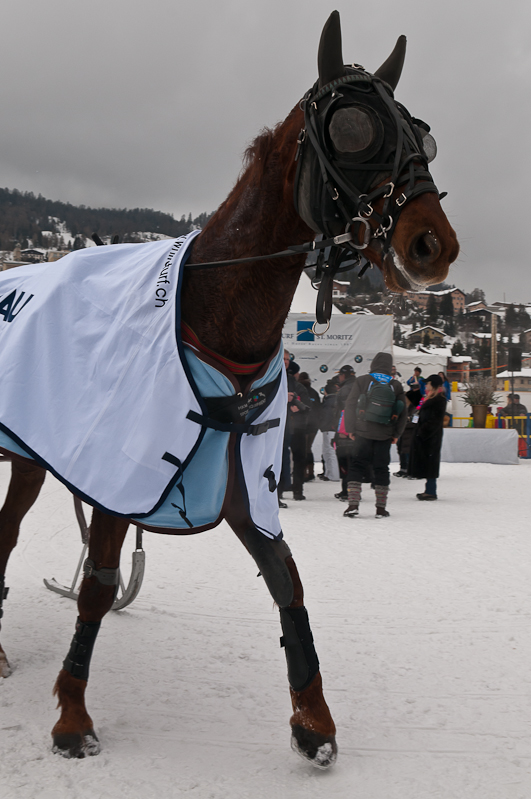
351, 339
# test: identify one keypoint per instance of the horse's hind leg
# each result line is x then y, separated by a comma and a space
313, 729
26, 482
73, 735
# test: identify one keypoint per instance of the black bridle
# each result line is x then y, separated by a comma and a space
336, 202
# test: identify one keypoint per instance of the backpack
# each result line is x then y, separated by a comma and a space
379, 404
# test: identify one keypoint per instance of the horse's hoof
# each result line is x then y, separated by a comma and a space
319, 750
5, 668
71, 744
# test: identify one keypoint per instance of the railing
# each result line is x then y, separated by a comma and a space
522, 424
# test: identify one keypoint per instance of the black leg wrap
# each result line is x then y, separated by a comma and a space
3, 592
77, 661
270, 557
303, 663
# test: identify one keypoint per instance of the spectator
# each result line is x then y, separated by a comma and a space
328, 427
404, 442
345, 379
446, 386
416, 382
425, 455
394, 374
312, 425
375, 417
295, 435
514, 407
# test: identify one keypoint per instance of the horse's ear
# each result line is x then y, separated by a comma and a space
391, 69
330, 56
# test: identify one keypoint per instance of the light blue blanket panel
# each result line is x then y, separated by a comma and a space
205, 479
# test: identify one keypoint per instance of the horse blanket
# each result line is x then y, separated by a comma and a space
98, 387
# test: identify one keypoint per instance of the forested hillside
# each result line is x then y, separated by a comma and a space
38, 222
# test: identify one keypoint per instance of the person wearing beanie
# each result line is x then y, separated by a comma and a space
375, 417
425, 454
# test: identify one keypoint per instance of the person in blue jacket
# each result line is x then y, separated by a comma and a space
416, 382
446, 386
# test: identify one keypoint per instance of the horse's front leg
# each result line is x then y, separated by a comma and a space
313, 729
26, 482
73, 735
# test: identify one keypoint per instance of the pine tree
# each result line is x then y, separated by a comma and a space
446, 307
432, 310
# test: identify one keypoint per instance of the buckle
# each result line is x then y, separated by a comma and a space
88, 568
258, 429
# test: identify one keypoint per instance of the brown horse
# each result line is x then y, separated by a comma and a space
300, 178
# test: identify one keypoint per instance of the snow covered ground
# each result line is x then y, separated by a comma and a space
422, 624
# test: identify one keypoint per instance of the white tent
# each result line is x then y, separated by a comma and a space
406, 360
305, 298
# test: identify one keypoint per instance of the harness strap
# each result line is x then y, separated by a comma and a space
104, 576
233, 427
179, 485
189, 337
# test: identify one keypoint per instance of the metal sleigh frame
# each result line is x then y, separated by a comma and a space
126, 594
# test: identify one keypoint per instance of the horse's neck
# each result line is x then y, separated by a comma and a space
239, 311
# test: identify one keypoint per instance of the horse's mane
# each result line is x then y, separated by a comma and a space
268, 142
258, 153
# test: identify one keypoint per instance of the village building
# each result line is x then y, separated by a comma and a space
54, 255
421, 298
340, 289
459, 368
476, 306
522, 380
426, 335
527, 339
33, 255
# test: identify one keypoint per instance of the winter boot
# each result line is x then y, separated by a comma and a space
354, 496
381, 501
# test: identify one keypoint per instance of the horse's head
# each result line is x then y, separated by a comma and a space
363, 169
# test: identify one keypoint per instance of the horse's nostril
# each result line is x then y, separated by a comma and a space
426, 248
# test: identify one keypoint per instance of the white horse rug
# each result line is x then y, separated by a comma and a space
98, 387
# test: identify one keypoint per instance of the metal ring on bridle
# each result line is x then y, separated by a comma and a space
314, 331
383, 230
391, 190
368, 206
366, 235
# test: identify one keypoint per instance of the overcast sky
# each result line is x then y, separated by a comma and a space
127, 103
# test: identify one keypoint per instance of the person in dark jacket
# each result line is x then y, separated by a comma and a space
312, 425
373, 439
403, 444
328, 427
425, 455
295, 435
346, 377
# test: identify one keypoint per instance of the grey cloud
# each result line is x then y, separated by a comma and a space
152, 104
